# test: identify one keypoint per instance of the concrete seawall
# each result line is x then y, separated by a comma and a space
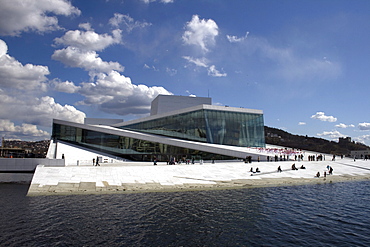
19, 170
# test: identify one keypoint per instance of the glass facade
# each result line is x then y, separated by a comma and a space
211, 126
128, 148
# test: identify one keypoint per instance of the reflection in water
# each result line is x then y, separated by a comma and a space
332, 214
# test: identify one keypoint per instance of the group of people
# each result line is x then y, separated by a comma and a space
319, 157
248, 159
257, 170
294, 168
329, 170
173, 161
284, 157
276, 158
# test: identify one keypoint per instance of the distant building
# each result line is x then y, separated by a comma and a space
360, 154
179, 126
344, 140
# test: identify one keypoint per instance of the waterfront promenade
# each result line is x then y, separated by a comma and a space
129, 177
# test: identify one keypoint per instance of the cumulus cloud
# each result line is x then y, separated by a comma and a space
18, 16
88, 60
235, 39
322, 117
344, 126
38, 111
89, 40
19, 87
200, 33
127, 22
86, 26
65, 86
10, 130
15, 75
115, 93
46, 108
364, 126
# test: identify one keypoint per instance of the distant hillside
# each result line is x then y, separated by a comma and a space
282, 138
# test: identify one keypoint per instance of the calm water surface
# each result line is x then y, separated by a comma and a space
313, 215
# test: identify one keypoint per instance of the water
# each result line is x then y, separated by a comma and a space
314, 215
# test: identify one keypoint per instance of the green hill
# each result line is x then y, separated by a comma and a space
282, 138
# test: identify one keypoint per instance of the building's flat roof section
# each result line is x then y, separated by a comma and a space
191, 109
168, 103
232, 151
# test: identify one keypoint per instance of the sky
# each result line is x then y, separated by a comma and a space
304, 63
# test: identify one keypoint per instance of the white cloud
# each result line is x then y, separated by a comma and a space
39, 111
301, 123
3, 48
47, 108
162, 1
19, 87
344, 126
364, 126
89, 40
18, 16
290, 64
88, 60
334, 135
200, 32
150, 67
15, 75
235, 39
65, 86
212, 71
115, 93
203, 62
309, 68
10, 130
128, 22
322, 117
362, 139
171, 72
200, 62
86, 26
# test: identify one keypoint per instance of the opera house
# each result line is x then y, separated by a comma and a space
179, 127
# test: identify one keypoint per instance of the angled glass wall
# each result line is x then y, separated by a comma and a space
128, 148
210, 126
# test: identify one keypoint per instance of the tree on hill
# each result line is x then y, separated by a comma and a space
282, 138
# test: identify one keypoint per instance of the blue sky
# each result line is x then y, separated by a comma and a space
304, 63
